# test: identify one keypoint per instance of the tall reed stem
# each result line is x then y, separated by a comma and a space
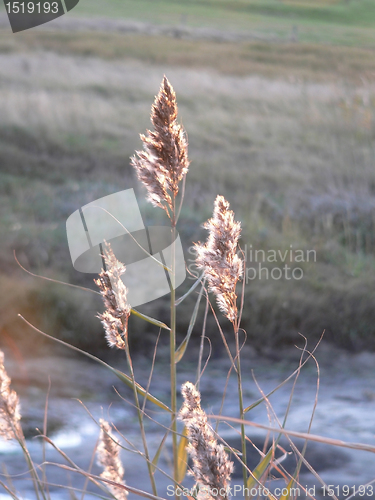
173, 344
240, 396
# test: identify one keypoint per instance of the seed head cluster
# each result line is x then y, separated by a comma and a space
108, 455
164, 161
211, 466
10, 427
114, 292
218, 257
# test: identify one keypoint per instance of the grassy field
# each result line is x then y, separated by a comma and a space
285, 130
347, 22
342, 22
240, 13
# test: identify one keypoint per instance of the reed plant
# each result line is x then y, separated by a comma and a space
162, 167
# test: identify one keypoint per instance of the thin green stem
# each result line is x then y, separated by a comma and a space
172, 342
240, 396
173, 384
140, 417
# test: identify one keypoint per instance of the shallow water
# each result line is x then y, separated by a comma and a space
345, 411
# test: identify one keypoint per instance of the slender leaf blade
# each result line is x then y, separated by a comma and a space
259, 470
286, 495
182, 456
153, 321
158, 451
182, 347
233, 450
192, 288
128, 381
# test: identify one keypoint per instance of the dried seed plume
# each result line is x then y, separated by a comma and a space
211, 466
218, 257
114, 293
108, 455
164, 161
10, 427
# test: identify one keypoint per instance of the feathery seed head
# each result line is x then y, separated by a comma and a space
211, 466
114, 293
218, 257
164, 161
10, 416
108, 454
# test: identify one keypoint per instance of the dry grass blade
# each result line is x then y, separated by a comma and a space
166, 268
9, 491
84, 489
122, 376
45, 421
300, 454
96, 479
133, 311
259, 401
302, 435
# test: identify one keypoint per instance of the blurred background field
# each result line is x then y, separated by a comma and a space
278, 100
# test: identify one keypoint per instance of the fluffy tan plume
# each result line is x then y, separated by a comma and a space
10, 427
164, 161
114, 293
108, 455
218, 257
211, 466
